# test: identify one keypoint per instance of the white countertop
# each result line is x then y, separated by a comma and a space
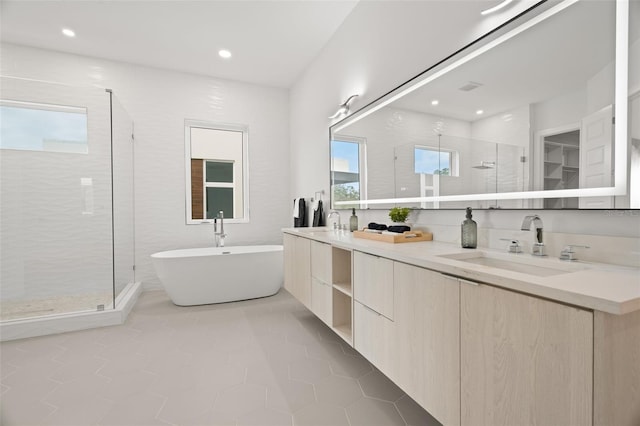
602, 287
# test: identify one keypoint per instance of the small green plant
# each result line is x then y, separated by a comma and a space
399, 214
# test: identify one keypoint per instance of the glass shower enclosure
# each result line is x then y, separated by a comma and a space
66, 199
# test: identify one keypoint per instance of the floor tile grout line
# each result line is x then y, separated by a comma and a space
346, 413
294, 324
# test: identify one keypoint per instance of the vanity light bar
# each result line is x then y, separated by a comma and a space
503, 38
621, 95
495, 8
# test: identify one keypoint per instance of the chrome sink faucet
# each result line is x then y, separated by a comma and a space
537, 249
333, 219
219, 236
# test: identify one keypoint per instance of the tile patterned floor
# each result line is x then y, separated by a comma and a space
261, 362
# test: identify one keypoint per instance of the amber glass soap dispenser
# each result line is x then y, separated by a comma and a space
469, 236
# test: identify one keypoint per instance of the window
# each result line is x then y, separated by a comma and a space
430, 163
435, 161
348, 170
219, 186
217, 175
43, 127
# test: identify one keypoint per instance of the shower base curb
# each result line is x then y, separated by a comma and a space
83, 320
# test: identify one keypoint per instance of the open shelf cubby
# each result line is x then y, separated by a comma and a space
342, 290
341, 270
342, 315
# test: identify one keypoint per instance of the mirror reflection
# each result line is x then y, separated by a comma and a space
534, 113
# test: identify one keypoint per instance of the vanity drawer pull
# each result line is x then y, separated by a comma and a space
450, 277
371, 310
469, 282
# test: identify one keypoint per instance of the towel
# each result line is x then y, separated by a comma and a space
296, 208
301, 219
399, 228
318, 214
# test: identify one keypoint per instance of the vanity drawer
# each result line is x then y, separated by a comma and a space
373, 336
373, 283
321, 261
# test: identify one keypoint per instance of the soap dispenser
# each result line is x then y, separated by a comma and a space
353, 221
469, 238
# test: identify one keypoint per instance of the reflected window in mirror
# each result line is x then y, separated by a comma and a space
430, 163
217, 176
435, 161
348, 169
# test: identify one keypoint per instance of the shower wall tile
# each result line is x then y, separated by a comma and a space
158, 102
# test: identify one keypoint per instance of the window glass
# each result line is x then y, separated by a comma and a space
345, 169
432, 161
219, 199
219, 171
43, 127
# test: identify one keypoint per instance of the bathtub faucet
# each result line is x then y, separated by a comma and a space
219, 236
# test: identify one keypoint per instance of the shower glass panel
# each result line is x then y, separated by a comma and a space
62, 249
122, 178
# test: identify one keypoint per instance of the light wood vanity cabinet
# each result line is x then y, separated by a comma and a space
297, 270
469, 353
373, 282
524, 360
373, 309
319, 276
406, 323
616, 381
289, 251
426, 344
321, 291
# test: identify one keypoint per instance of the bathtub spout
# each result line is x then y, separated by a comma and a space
219, 236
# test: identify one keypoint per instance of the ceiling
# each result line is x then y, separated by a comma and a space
272, 41
557, 56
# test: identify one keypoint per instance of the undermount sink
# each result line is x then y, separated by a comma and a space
514, 263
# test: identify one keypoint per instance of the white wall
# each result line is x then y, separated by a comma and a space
159, 101
379, 46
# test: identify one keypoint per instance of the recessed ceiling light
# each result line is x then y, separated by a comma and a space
435, 102
479, 112
224, 53
68, 32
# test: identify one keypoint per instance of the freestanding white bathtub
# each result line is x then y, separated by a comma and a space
219, 274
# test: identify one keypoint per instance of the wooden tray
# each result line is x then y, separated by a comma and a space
398, 238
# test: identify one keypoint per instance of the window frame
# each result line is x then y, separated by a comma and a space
188, 125
208, 184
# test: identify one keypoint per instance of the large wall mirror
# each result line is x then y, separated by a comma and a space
543, 112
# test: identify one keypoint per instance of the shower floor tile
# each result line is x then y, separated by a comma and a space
261, 362
19, 309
